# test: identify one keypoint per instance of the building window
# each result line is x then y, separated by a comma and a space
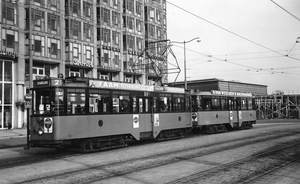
139, 8
76, 29
117, 60
158, 18
151, 30
53, 3
38, 19
9, 12
75, 51
116, 18
131, 42
37, 45
130, 6
116, 37
75, 6
53, 48
53, 22
115, 2
88, 31
139, 43
105, 15
87, 9
138, 25
76, 48
9, 38
130, 23
38, 71
88, 55
105, 35
6, 95
106, 58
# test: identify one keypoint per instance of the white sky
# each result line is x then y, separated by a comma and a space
273, 31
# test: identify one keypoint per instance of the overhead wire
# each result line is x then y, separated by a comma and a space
231, 31
285, 10
242, 65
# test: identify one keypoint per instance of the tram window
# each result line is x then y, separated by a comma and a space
147, 105
124, 104
134, 105
230, 104
224, 104
116, 104
196, 103
250, 105
155, 104
187, 104
243, 104
238, 104
57, 102
235, 104
178, 103
98, 101
215, 104
41, 104
163, 104
141, 105
76, 101
206, 103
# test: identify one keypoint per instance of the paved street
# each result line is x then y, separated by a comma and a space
267, 153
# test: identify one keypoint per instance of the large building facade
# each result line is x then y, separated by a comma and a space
116, 40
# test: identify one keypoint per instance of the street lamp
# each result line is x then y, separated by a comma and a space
185, 42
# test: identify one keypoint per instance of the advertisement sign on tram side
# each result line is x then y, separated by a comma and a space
118, 85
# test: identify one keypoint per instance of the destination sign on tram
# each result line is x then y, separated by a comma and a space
47, 82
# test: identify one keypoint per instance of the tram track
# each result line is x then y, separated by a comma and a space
203, 176
260, 176
32, 156
110, 170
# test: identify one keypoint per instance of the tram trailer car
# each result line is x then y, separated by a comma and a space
220, 111
91, 114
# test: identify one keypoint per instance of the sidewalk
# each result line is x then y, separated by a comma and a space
13, 138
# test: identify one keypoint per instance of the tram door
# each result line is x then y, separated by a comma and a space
146, 113
233, 112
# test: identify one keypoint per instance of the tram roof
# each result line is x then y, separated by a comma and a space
102, 84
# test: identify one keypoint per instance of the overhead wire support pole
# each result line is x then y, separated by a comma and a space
184, 61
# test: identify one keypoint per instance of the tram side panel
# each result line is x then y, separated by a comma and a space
211, 118
78, 127
248, 116
168, 121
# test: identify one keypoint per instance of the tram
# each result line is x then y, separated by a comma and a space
93, 114
219, 111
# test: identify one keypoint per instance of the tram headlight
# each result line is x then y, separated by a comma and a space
40, 131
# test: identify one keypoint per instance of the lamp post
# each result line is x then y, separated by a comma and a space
185, 42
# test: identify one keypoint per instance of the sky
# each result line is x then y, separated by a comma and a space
250, 41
